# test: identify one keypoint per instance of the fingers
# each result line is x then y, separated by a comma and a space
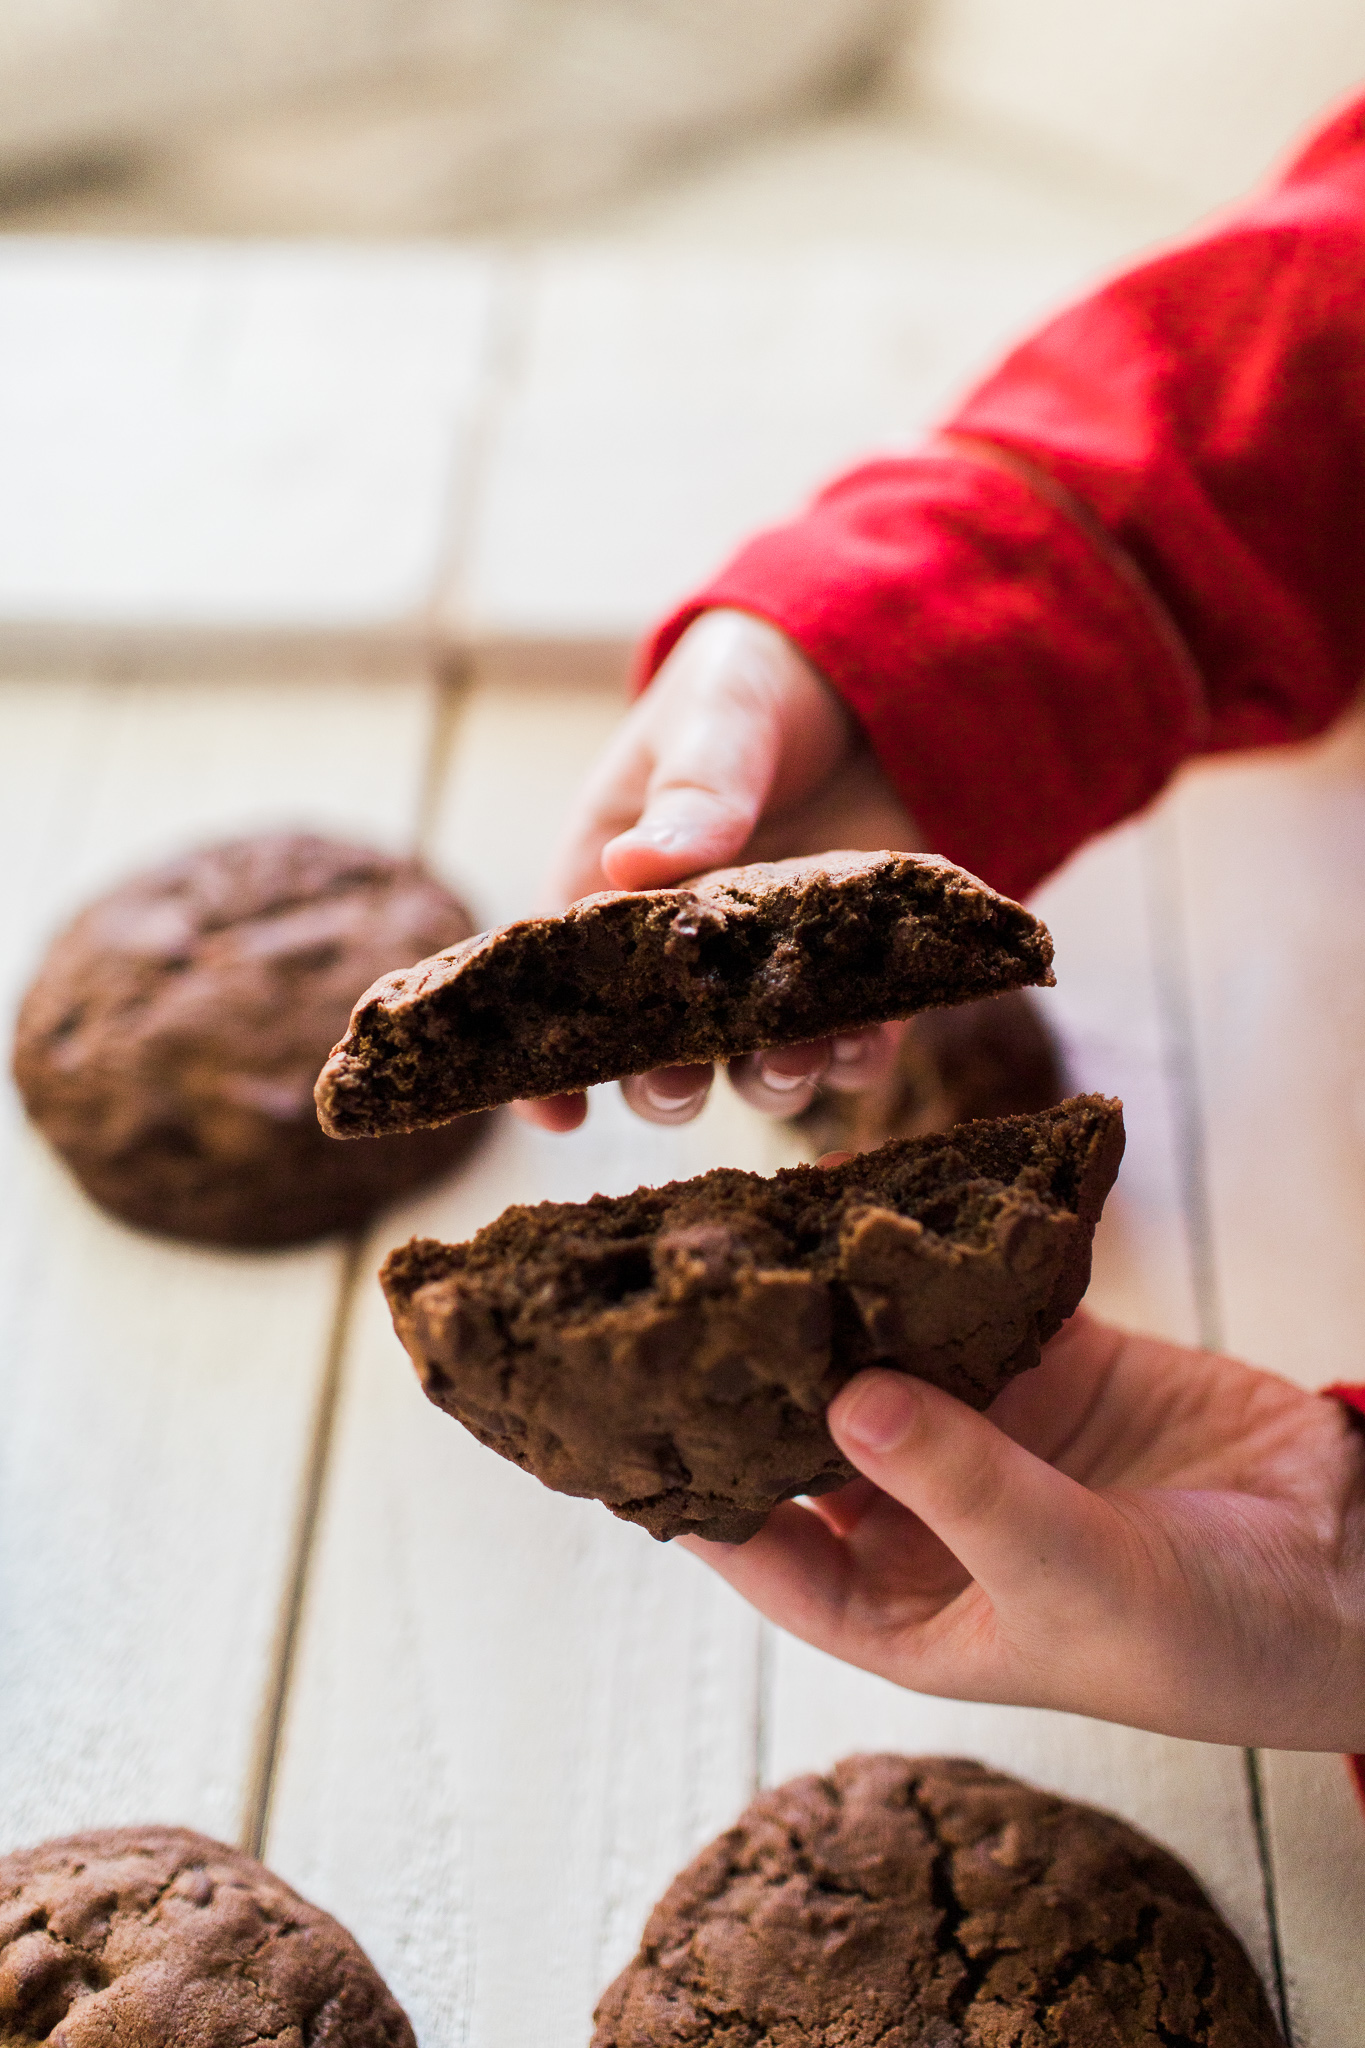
796, 1570
1023, 1530
553, 1112
862, 1059
782, 1080
735, 722
669, 1095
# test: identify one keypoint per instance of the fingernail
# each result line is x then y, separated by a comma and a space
879, 1415
847, 1052
783, 1084
663, 836
662, 1100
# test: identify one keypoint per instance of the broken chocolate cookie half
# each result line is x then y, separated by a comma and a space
772, 954
672, 1352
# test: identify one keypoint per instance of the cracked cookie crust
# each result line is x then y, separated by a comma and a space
169, 1044
931, 1903
775, 953
672, 1352
140, 1937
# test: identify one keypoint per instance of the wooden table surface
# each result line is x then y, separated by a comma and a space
383, 523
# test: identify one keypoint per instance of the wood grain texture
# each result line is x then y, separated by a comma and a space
1271, 851
512, 1717
1316, 1832
666, 403
262, 438
159, 1401
1193, 1797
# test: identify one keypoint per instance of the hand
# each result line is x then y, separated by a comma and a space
1137, 1531
738, 750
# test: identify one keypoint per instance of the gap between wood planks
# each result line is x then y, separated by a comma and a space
1170, 952
265, 1757
451, 683
452, 669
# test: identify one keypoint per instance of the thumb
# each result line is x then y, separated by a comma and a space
739, 720
716, 753
1021, 1528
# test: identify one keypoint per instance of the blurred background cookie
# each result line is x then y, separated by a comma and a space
995, 1057
155, 1934
170, 1041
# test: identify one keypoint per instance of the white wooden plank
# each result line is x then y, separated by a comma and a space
512, 1717
1317, 1845
1193, 1797
158, 1401
671, 400
202, 435
1272, 849
1116, 1040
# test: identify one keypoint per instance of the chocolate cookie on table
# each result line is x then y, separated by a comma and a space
170, 1041
143, 1937
776, 953
932, 1903
672, 1352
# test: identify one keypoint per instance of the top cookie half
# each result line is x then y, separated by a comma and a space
773, 954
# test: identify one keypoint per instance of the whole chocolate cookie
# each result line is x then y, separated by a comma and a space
672, 1352
771, 954
931, 1903
144, 1937
169, 1044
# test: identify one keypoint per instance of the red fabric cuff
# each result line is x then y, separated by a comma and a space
1354, 1397
1020, 691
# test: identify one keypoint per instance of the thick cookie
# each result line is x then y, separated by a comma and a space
672, 1352
169, 1045
773, 954
140, 1937
931, 1903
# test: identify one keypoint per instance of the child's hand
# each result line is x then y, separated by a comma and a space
739, 750
1138, 1532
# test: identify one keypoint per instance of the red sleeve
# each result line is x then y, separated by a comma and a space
1145, 540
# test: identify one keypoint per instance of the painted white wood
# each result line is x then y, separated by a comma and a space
1115, 1040
158, 1401
1272, 850
1317, 1843
670, 401
1192, 1797
260, 436
512, 1717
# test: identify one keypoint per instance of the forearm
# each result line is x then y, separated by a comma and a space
1142, 539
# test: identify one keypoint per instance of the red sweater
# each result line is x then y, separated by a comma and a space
1141, 539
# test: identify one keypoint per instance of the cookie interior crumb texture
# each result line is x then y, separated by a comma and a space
772, 954
932, 1903
672, 1352
144, 1937
170, 1042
